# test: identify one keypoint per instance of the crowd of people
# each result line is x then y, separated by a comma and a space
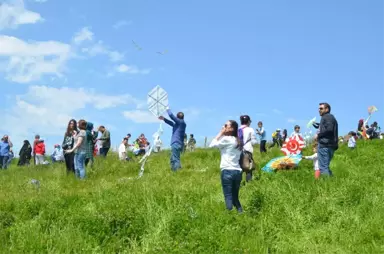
234, 141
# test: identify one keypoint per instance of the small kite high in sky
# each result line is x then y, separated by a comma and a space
162, 52
136, 45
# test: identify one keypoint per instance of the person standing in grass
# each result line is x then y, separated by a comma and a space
35, 141
249, 140
91, 140
25, 154
40, 152
5, 148
80, 149
263, 137
123, 150
231, 174
177, 142
105, 141
315, 159
68, 143
352, 140
327, 138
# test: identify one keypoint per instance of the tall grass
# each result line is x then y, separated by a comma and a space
184, 212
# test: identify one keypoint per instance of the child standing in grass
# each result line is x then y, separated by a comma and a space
315, 160
352, 140
231, 174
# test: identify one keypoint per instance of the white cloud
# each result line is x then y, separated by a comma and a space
100, 49
83, 35
121, 23
28, 61
131, 69
47, 110
140, 116
291, 120
276, 111
13, 14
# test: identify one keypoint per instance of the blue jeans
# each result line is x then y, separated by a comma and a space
80, 165
230, 181
175, 156
104, 151
325, 155
4, 162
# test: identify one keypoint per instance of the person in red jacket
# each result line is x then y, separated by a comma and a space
40, 152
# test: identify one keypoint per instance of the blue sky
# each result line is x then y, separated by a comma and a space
273, 60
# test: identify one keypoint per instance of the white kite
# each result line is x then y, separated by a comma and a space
157, 101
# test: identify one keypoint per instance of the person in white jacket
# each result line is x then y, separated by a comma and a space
315, 160
231, 174
249, 139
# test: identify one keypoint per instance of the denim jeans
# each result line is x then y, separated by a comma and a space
325, 155
230, 181
80, 165
104, 151
175, 156
4, 162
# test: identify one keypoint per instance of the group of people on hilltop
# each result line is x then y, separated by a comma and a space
232, 148
79, 145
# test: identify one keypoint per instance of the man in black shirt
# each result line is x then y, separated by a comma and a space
327, 138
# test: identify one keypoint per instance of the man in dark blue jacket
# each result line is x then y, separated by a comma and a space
327, 138
177, 142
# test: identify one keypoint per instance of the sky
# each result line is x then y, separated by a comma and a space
272, 60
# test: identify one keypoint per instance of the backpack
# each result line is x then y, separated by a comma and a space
246, 159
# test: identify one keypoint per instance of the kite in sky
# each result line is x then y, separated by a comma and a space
162, 52
136, 45
157, 100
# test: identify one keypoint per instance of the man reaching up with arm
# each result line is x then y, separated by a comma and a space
177, 142
327, 138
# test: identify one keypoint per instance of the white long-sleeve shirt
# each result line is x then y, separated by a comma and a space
352, 142
315, 160
249, 136
230, 154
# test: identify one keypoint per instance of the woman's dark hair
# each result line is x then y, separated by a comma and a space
360, 125
82, 124
245, 119
69, 131
234, 133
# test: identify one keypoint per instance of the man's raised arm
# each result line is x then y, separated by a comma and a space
173, 117
166, 121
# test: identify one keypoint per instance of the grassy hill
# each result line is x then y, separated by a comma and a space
164, 212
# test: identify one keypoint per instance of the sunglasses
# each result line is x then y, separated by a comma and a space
321, 108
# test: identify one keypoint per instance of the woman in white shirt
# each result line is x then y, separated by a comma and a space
231, 174
249, 140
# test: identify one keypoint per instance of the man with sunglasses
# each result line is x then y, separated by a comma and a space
327, 138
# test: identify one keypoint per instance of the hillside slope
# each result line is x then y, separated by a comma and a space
184, 212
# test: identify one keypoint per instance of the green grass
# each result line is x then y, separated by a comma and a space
164, 212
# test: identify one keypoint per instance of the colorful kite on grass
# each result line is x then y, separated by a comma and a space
282, 163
